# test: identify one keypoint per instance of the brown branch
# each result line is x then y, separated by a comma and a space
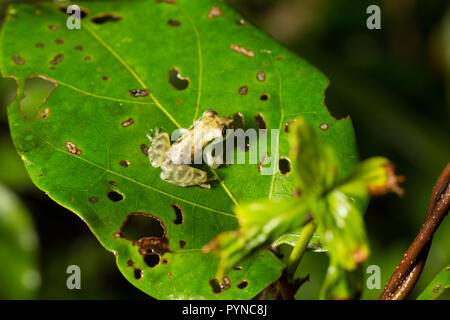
410, 267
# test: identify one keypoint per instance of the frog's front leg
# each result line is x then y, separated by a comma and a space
159, 147
183, 175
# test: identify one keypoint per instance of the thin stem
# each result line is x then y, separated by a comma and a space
408, 270
299, 249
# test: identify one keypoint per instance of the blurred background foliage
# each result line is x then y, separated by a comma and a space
393, 82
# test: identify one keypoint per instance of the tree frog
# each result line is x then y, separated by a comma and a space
174, 159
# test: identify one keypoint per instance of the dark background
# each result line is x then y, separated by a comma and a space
393, 82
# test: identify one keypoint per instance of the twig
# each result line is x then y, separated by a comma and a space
410, 267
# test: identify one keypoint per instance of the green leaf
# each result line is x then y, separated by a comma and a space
87, 137
291, 239
375, 176
260, 223
342, 230
342, 284
19, 275
315, 162
437, 286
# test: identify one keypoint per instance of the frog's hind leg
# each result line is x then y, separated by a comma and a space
159, 147
184, 175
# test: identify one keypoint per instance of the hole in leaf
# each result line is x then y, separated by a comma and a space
288, 124
324, 126
138, 274
264, 97
243, 284
215, 285
177, 81
179, 219
151, 260
107, 17
37, 90
260, 121
83, 12
141, 225
240, 22
238, 120
237, 268
115, 196
285, 165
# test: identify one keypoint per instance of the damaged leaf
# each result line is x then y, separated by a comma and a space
86, 140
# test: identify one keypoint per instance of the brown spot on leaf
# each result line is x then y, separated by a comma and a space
243, 90
45, 114
105, 78
437, 288
138, 93
130, 263
182, 244
127, 123
124, 163
238, 268
39, 45
57, 59
18, 60
93, 200
144, 149
215, 12
59, 41
242, 50
52, 27
72, 148
261, 76
173, 23
79, 48
87, 58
